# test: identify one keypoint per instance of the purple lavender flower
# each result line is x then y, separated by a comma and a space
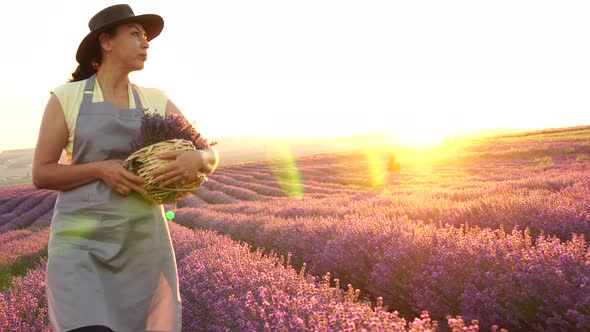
156, 128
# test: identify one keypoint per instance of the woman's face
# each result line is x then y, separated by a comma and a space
128, 47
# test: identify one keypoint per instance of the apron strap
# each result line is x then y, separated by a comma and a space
89, 90
138, 104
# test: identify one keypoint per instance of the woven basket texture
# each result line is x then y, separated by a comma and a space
145, 160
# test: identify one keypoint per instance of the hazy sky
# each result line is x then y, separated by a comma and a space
323, 68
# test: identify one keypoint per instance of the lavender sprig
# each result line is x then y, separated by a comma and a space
156, 128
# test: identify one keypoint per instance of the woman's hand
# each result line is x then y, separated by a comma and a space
185, 166
120, 179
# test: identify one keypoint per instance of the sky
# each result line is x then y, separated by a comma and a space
323, 68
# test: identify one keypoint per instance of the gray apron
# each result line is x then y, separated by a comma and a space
110, 258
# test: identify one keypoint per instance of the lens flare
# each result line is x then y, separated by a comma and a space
376, 168
284, 168
170, 215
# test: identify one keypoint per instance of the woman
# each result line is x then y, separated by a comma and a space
111, 265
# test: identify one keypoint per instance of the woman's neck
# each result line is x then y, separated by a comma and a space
112, 82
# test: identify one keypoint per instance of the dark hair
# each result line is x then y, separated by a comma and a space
88, 66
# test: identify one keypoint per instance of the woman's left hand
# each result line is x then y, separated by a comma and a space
183, 169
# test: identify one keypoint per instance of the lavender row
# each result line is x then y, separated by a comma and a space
553, 203
34, 199
214, 196
23, 307
561, 213
19, 254
332, 206
227, 287
29, 212
232, 190
504, 278
7, 193
191, 201
332, 171
555, 145
13, 201
7, 217
237, 289
26, 246
43, 221
14, 235
262, 189
261, 186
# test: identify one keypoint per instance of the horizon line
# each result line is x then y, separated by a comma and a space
464, 131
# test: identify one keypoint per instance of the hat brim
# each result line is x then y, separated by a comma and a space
152, 24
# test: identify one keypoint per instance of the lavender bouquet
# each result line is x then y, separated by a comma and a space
156, 128
160, 134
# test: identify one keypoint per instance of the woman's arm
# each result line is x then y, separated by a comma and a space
49, 174
210, 156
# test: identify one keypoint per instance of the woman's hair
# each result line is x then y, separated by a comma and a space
88, 67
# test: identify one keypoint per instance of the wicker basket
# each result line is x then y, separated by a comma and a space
145, 160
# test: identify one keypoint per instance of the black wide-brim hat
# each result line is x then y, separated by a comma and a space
110, 17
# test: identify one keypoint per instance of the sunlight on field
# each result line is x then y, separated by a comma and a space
410, 146
409, 157
283, 166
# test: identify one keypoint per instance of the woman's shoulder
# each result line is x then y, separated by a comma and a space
69, 96
69, 87
156, 99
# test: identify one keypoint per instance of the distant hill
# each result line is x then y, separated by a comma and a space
16, 165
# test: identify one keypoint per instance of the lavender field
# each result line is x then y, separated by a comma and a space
472, 235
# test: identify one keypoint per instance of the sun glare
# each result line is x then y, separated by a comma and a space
375, 169
415, 137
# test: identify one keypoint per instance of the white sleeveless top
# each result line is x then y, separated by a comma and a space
70, 97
